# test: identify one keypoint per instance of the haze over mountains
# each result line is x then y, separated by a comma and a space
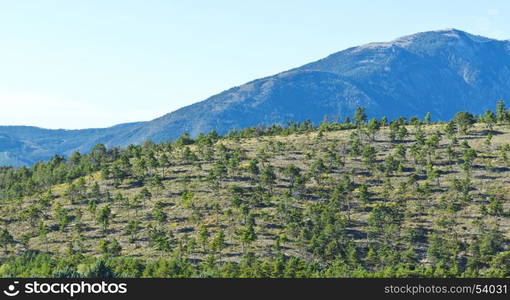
441, 72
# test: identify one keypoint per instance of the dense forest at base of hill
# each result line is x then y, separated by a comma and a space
176, 265
349, 198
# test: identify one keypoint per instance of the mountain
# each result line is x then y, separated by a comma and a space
441, 72
24, 145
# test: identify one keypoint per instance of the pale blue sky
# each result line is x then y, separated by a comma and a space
95, 63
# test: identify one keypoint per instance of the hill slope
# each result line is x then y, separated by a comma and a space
441, 72
403, 200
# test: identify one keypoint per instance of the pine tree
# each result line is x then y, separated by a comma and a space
104, 217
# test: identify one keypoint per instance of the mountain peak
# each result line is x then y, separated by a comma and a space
457, 33
426, 42
449, 33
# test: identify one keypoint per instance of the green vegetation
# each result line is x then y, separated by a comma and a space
368, 198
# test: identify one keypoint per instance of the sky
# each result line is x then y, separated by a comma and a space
96, 63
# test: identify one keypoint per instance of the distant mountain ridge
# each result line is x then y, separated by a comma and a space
441, 72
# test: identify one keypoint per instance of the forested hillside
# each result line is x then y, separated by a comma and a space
350, 198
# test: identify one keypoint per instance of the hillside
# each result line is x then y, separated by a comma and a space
367, 198
441, 72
